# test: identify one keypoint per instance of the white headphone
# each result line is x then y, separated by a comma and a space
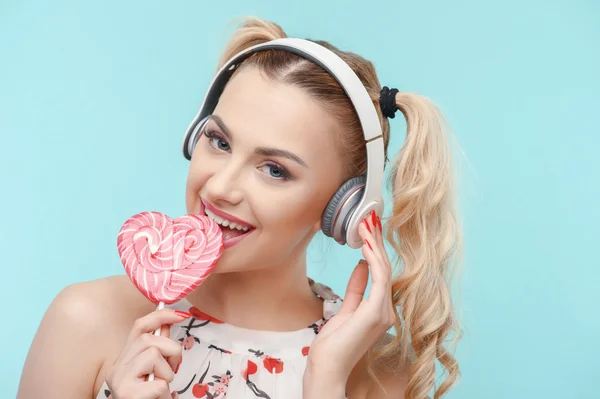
357, 197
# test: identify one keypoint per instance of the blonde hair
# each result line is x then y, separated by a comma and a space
423, 229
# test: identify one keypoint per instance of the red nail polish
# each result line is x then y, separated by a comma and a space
178, 364
373, 218
367, 225
379, 224
183, 314
370, 247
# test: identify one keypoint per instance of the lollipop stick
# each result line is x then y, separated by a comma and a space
161, 305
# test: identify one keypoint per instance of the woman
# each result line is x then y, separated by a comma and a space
258, 326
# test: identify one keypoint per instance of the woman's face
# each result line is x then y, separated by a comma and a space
267, 162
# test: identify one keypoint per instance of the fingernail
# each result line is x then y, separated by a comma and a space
373, 218
367, 225
370, 247
379, 224
183, 314
178, 364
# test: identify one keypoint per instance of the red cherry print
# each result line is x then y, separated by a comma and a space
273, 365
252, 368
305, 350
200, 390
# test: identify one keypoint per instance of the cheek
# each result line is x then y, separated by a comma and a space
292, 210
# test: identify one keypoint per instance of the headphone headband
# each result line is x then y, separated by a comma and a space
371, 197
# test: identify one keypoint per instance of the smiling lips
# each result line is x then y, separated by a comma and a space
234, 229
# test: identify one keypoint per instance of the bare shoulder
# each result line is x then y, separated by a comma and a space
392, 375
100, 306
83, 327
108, 297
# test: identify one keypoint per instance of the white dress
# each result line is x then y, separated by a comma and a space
221, 360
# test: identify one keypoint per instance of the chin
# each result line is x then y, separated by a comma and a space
232, 261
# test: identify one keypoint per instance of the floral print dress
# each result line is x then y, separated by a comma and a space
221, 360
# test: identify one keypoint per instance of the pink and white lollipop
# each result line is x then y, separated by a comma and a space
166, 259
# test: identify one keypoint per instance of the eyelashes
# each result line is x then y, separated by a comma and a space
272, 169
216, 137
276, 171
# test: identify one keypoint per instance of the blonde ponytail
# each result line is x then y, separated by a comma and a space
424, 231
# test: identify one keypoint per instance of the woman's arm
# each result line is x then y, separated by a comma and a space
67, 350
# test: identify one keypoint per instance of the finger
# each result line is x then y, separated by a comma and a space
376, 241
152, 361
373, 220
378, 229
370, 224
165, 330
379, 266
382, 271
375, 265
381, 242
379, 276
368, 239
378, 233
355, 290
169, 349
157, 389
154, 320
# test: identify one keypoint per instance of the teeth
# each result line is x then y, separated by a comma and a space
224, 222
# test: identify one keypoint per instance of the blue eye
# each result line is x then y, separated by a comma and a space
221, 144
217, 141
277, 172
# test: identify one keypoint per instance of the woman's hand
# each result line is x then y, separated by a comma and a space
145, 353
359, 324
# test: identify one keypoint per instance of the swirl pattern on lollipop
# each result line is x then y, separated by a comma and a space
166, 259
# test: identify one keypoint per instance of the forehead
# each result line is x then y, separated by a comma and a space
262, 112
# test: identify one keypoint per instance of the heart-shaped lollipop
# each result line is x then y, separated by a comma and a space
168, 258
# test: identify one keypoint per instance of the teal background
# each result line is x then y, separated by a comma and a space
95, 98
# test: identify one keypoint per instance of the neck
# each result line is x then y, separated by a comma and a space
274, 298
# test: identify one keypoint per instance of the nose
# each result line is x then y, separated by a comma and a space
223, 185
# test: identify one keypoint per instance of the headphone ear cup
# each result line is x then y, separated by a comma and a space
340, 207
191, 138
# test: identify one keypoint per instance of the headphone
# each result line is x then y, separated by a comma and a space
358, 196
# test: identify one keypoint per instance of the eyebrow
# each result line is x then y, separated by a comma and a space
264, 151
